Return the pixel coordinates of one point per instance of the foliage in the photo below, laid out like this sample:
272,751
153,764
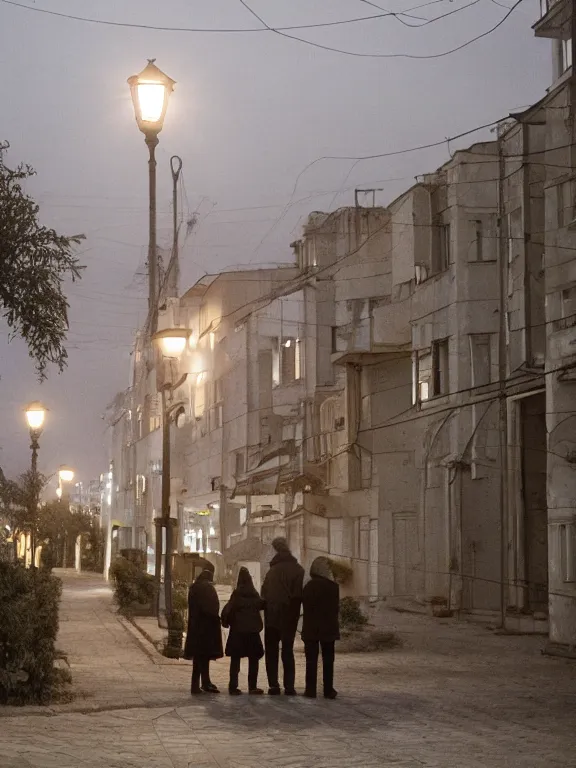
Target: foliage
368,641
94,547
132,587
341,571
58,528
29,601
34,262
351,615
19,503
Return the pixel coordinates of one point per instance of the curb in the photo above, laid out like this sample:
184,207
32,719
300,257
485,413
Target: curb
145,643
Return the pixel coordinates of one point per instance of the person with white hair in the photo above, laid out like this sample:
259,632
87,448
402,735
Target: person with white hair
282,593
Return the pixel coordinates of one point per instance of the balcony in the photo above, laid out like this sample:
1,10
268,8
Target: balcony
555,16
386,332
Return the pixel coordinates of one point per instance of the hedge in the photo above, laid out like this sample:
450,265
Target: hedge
29,604
134,590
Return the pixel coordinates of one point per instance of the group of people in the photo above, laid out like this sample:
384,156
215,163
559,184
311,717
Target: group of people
284,594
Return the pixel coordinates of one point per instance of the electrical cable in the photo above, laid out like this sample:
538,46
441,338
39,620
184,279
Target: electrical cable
221,30
382,55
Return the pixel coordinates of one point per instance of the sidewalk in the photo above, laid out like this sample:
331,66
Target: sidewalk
454,696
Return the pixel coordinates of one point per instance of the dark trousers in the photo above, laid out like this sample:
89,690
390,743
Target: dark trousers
273,638
253,665
200,672
312,652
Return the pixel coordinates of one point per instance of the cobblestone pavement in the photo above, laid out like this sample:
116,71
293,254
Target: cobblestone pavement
454,696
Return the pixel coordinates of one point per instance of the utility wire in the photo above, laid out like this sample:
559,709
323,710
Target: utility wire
219,30
282,33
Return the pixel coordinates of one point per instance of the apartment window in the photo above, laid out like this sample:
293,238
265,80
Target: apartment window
287,361
567,533
140,487
565,55
140,428
423,376
480,359
334,339
441,250
567,308
239,464
565,203
440,366
327,423
216,405
200,396
430,372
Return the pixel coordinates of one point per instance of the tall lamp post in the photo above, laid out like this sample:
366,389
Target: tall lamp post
65,476
150,91
35,416
172,343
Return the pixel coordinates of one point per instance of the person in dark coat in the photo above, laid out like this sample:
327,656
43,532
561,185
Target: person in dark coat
204,636
282,593
320,626
242,615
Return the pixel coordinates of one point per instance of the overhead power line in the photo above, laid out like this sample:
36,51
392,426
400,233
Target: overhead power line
218,30
283,31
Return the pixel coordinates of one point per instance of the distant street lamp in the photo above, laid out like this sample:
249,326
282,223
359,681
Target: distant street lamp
65,477
35,416
66,474
151,91
172,343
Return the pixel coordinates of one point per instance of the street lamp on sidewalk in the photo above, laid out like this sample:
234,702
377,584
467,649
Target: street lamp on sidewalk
172,343
151,91
35,416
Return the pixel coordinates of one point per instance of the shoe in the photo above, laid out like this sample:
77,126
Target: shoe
195,691
210,688
309,694
330,694
234,691
290,692
274,691
256,692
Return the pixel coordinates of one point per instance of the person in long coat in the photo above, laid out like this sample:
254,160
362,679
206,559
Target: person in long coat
320,626
242,615
282,593
204,636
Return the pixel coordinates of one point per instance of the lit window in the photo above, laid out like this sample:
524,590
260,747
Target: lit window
565,55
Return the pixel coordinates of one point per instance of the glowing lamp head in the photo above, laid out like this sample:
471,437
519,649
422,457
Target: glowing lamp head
66,474
35,415
172,342
150,91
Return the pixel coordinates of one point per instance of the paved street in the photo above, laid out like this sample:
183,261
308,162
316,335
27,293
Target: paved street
455,696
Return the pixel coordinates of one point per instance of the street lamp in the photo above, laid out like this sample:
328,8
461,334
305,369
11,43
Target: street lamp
66,474
172,343
150,91
35,416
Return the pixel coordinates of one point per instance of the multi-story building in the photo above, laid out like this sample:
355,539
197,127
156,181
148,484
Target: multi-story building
557,167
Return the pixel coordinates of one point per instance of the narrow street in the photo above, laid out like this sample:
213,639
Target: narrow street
453,695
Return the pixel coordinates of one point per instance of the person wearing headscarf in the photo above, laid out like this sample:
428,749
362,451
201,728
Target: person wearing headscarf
242,615
320,626
204,635
282,593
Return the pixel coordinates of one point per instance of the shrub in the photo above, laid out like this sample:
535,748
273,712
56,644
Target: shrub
29,602
133,588
351,615
366,641
341,571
